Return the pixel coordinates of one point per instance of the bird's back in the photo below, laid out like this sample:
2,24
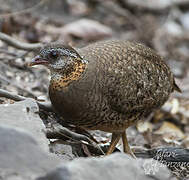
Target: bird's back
130,75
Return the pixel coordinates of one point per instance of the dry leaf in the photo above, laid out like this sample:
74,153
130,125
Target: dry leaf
144,126
175,106
170,131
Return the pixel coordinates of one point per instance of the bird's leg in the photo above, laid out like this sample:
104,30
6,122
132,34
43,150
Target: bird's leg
115,139
126,147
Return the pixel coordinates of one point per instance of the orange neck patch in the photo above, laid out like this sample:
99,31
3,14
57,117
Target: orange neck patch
61,80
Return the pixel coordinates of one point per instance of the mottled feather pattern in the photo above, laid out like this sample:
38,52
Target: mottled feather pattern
121,83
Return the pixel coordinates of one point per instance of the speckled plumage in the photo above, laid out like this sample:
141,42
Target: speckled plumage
108,85
122,82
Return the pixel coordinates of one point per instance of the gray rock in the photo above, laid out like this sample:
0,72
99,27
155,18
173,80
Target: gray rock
116,166
24,115
21,158
185,20
63,151
173,28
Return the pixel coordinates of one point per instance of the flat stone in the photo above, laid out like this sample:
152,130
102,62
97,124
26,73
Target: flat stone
24,115
63,151
116,166
21,157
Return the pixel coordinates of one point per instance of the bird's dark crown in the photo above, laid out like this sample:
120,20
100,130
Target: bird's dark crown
60,49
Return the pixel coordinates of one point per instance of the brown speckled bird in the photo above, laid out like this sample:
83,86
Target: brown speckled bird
108,85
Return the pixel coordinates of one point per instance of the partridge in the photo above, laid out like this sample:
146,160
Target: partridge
107,86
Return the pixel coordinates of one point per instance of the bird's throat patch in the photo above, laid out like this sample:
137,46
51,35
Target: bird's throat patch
61,80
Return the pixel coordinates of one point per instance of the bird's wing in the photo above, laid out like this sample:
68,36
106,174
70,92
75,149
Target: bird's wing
139,81
131,76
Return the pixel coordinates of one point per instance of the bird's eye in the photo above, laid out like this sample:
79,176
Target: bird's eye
53,54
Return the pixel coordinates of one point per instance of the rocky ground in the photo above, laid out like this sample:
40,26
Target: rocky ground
32,143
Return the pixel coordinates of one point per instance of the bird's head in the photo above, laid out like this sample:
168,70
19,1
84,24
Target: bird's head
57,57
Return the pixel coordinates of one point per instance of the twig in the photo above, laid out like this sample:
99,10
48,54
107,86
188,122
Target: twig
3,93
47,106
3,51
18,44
3,78
14,54
150,7
58,131
7,58
15,97
24,11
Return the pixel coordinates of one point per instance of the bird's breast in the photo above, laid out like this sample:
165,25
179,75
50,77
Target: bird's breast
71,100
64,102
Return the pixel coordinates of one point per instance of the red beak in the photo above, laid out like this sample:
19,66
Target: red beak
37,61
